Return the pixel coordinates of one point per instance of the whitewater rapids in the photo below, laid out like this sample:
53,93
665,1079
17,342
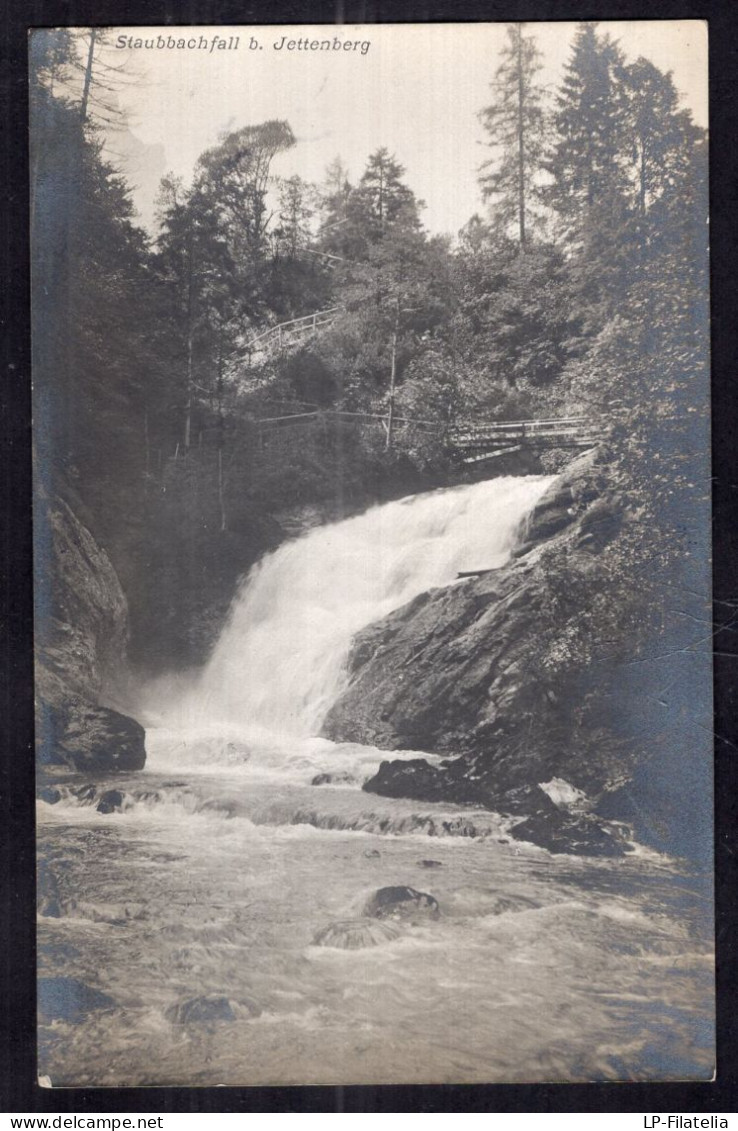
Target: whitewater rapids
222,863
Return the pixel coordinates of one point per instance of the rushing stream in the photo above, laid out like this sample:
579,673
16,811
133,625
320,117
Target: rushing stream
212,904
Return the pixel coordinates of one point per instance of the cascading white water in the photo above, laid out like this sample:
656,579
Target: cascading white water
280,661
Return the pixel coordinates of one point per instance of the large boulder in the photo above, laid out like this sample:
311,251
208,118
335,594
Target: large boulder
402,903
580,834
89,738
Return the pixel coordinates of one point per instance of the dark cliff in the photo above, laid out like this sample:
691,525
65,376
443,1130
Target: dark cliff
81,643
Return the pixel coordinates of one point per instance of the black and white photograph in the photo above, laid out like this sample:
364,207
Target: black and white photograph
372,554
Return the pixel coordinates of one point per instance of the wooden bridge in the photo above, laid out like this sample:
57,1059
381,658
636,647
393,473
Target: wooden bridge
467,442
480,441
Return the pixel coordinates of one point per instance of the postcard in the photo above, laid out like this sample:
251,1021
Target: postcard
372,554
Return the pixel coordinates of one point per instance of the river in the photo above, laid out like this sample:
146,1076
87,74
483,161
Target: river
215,904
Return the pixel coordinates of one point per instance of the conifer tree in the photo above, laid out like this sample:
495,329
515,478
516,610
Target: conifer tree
662,142
588,161
382,201
515,126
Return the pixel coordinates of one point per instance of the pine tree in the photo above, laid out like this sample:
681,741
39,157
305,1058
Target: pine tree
592,187
515,126
382,202
588,157
663,142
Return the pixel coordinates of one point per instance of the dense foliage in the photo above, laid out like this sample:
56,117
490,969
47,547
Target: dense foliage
582,289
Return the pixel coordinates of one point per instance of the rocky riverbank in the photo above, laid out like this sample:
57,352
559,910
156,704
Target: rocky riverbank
489,672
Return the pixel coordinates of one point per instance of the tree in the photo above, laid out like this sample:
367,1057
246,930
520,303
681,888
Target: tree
295,212
514,321
591,191
382,203
195,263
588,162
235,177
334,195
101,331
515,124
666,168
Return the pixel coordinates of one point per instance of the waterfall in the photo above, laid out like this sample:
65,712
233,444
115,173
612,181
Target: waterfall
281,659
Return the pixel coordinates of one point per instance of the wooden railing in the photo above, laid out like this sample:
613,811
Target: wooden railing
285,332
475,442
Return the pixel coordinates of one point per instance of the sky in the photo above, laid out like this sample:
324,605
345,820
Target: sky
417,90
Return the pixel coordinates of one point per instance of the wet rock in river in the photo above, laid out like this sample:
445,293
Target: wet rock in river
566,833
372,853
48,899
100,739
68,999
355,934
339,778
210,1007
401,902
85,793
110,802
513,903
430,863
48,794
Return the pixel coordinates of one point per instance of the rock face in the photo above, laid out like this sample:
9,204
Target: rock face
81,641
458,672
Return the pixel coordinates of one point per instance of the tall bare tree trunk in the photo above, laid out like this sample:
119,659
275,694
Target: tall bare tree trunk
221,437
521,140
88,75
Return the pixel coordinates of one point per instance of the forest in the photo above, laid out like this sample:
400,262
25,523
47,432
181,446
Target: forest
182,411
